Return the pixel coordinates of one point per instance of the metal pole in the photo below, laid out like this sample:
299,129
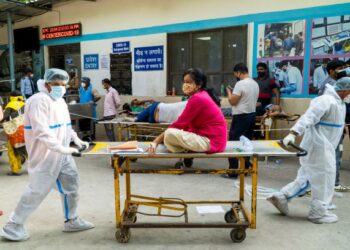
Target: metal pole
11,53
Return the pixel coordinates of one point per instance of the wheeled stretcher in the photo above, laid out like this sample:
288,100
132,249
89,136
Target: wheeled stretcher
238,218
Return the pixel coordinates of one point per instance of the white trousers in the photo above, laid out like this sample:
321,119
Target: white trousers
322,188
65,179
177,140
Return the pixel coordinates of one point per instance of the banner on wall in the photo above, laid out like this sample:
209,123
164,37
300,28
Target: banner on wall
281,39
91,62
120,47
281,46
149,58
331,35
330,40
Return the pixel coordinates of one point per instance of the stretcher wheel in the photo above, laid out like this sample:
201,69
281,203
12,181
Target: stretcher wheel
237,235
188,162
179,165
230,217
123,235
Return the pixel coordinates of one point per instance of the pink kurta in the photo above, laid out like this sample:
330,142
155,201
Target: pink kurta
203,117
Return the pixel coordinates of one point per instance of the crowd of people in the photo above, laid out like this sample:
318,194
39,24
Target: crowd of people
196,125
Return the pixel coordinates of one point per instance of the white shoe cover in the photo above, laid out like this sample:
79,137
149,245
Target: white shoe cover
332,206
327,218
77,224
14,232
279,200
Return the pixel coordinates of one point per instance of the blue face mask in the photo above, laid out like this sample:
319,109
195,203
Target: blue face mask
57,92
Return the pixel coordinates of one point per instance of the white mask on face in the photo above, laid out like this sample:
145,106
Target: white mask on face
83,84
57,92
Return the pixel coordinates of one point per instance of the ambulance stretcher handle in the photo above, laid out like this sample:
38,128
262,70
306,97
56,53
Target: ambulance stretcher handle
80,150
301,152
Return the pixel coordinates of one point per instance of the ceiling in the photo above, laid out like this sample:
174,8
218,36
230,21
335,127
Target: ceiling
21,11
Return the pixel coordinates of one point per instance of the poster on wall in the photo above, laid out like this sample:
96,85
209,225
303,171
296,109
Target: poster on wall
104,62
284,39
318,72
331,35
288,75
149,58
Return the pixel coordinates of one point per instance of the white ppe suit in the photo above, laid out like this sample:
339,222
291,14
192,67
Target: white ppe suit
48,129
322,126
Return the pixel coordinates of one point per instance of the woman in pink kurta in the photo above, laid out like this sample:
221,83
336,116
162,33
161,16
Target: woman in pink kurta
201,127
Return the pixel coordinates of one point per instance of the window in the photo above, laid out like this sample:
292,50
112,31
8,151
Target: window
214,51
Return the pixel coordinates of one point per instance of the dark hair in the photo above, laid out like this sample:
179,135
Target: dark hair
283,63
27,70
334,64
126,107
16,93
240,67
200,79
198,76
106,80
85,79
262,65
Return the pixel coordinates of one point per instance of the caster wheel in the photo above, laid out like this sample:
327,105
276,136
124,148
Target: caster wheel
230,217
188,162
237,235
179,165
123,235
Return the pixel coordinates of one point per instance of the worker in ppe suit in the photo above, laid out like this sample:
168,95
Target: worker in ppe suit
322,126
48,133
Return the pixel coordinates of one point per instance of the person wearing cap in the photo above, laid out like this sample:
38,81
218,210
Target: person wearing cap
333,67
27,85
88,94
48,133
322,126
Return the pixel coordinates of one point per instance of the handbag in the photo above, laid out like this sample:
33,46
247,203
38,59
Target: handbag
14,129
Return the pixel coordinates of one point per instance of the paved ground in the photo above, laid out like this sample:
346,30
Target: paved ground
97,205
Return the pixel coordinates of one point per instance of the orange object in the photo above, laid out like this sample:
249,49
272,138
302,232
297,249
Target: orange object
17,138
126,145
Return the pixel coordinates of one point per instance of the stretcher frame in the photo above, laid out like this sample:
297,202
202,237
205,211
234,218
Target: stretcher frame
281,117
238,218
